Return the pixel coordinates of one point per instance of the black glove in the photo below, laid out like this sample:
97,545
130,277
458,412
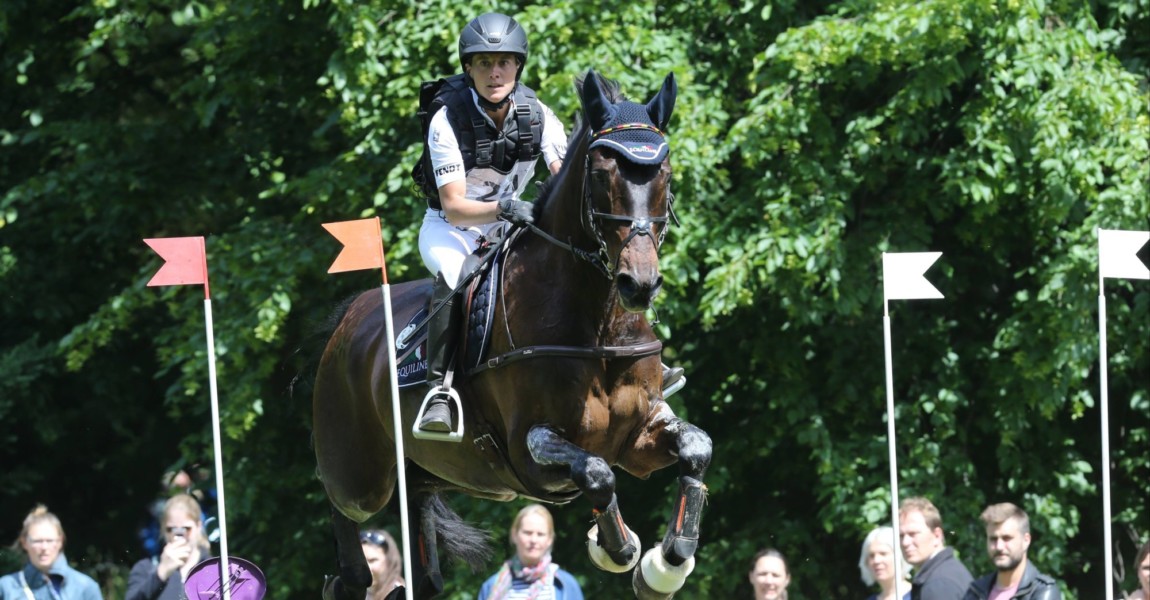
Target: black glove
517,212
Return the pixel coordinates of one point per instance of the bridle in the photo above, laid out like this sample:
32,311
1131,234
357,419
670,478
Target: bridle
592,220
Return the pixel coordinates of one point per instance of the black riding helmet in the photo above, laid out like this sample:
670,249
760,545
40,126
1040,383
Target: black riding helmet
493,32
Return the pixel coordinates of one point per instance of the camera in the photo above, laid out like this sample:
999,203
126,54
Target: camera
181,532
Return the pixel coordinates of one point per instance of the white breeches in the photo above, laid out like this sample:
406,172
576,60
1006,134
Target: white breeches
443,246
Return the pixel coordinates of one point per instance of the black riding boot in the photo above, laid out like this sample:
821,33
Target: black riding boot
441,337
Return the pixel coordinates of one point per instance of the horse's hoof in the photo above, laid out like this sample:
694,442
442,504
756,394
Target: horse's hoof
656,579
602,559
679,550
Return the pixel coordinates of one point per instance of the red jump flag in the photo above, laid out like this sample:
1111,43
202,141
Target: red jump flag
362,245
185,261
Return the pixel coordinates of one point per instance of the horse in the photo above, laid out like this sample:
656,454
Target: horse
573,388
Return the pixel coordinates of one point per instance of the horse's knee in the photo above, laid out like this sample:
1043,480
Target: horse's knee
695,450
597,481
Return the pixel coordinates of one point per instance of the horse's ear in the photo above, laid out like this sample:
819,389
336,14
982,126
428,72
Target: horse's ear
596,106
663,104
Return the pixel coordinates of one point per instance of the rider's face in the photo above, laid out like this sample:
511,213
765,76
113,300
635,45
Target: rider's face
494,74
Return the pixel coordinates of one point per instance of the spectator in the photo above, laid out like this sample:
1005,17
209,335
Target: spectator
163,577
769,575
1142,564
530,573
1007,542
939,575
876,564
384,561
46,575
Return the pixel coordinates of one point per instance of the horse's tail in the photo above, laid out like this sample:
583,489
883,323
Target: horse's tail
463,542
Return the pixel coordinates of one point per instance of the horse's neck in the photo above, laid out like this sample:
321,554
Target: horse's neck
570,302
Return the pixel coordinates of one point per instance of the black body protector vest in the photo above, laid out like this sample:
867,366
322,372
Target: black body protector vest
479,142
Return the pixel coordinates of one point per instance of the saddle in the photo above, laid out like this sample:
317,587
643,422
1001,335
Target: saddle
481,274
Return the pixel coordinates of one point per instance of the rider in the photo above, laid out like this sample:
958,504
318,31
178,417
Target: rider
480,171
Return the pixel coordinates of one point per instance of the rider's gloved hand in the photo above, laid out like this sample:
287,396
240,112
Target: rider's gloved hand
517,212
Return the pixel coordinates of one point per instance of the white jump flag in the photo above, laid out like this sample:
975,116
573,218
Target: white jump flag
902,276
1118,254
1117,258
902,279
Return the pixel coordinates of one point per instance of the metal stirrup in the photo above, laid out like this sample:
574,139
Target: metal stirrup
444,389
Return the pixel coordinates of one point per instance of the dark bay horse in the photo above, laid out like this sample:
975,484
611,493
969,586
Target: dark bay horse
578,386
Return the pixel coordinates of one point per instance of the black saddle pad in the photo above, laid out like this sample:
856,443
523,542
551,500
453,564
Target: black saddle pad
481,313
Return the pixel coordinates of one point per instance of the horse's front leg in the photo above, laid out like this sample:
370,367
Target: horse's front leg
665,438
593,476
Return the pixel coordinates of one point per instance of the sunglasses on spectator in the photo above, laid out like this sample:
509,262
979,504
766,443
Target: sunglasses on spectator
373,537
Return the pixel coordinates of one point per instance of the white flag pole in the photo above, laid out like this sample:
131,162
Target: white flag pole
397,426
1105,407
225,573
1117,257
397,421
902,279
891,445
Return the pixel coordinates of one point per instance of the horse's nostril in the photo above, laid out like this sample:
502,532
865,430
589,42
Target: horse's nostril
637,295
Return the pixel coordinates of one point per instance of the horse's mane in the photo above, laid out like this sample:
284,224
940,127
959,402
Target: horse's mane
579,134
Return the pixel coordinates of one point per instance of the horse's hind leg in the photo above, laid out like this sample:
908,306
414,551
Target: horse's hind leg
593,476
434,524
354,575
424,551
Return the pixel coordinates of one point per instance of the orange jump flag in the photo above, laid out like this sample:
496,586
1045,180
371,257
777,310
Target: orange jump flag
185,261
362,245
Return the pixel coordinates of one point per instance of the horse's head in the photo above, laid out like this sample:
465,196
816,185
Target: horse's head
627,186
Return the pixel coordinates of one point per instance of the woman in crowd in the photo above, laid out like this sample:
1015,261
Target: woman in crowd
530,573
163,578
1142,566
384,560
876,564
769,575
46,575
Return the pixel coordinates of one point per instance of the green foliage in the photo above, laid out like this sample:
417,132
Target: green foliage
808,138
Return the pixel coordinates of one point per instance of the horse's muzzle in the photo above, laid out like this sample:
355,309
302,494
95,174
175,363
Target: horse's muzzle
637,295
